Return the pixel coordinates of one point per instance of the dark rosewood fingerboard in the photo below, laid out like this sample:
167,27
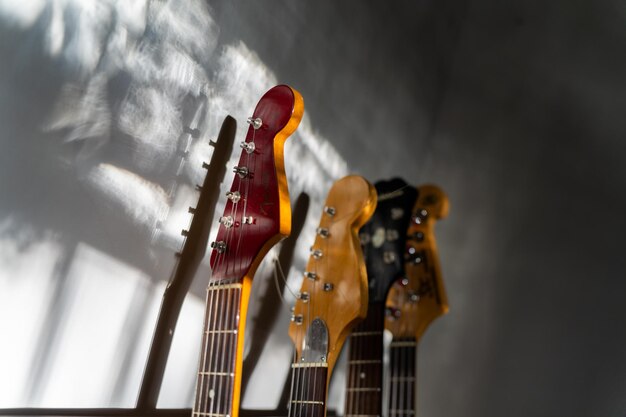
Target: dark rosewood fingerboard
308,390
216,371
365,367
402,377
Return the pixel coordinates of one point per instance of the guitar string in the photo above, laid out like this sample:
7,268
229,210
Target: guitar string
209,348
230,349
216,295
325,261
228,354
214,392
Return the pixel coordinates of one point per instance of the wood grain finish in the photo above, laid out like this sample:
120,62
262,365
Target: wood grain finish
337,294
414,301
259,219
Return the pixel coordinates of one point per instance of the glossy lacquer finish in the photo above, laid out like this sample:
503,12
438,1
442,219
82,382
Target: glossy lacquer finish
419,298
264,193
334,293
383,239
414,301
252,223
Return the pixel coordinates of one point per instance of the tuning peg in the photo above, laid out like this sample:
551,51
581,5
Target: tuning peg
198,187
389,257
296,318
397,213
328,286
241,171
219,246
192,210
392,235
316,253
304,296
227,221
421,215
184,232
233,196
248,146
310,275
212,143
205,165
256,123
330,211
323,232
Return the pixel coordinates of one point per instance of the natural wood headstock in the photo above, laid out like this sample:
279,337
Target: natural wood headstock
334,289
258,212
417,299
383,237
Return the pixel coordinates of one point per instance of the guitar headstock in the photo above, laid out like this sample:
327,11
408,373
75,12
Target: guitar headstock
333,296
383,237
418,298
258,212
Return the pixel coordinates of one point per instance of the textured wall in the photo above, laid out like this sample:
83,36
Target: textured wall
515,109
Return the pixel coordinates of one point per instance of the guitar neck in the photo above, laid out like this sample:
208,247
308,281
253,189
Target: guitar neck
365,366
219,373
308,389
401,398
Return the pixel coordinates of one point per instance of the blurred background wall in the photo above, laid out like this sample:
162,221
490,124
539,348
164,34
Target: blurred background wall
514,109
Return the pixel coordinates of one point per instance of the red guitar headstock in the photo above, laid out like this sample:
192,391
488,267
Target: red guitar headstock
258,212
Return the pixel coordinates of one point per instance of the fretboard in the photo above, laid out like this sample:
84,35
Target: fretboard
217,377
308,390
402,377
365,366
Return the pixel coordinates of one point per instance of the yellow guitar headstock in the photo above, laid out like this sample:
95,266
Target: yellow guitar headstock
417,299
334,295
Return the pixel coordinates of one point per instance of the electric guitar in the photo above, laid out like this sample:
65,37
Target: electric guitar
333,296
257,215
415,300
384,240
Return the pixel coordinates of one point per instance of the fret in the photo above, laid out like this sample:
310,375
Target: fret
216,373
307,402
220,331
199,413
403,344
310,365
217,287
362,334
361,415
363,389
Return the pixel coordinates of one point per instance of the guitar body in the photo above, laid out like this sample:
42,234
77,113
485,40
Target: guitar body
333,296
257,215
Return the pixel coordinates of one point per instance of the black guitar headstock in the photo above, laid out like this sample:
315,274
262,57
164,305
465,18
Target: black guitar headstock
383,238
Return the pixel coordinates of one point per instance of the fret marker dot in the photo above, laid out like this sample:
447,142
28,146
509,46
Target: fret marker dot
211,393
362,375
